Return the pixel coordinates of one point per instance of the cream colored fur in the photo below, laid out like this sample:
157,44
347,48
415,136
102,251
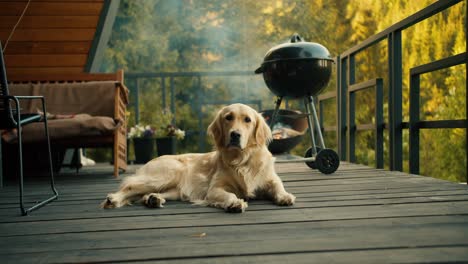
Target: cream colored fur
225,178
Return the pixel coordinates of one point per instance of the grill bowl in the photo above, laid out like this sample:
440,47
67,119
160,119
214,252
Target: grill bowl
297,77
292,118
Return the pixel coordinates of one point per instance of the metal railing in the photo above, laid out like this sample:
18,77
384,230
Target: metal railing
377,126
201,100
347,86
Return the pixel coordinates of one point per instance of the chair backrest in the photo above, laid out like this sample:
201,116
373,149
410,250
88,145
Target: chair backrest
5,109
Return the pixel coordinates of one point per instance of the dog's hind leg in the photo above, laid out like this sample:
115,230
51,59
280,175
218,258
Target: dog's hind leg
157,200
157,176
129,192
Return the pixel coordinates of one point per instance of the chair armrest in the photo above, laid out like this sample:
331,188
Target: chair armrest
11,98
29,96
16,99
21,96
7,97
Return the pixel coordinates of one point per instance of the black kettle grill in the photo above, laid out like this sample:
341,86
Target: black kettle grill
300,69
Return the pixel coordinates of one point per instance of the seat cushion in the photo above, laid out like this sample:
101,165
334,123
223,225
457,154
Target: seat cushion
81,125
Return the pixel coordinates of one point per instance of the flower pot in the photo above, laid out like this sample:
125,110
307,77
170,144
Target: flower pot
144,149
166,146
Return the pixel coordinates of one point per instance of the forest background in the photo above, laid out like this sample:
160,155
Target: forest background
234,35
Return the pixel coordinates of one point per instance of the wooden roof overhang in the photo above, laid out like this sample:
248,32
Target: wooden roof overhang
55,36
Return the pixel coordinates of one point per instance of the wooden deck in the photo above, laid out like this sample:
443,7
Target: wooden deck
358,214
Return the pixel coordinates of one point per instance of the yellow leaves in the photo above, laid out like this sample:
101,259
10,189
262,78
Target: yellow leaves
279,4
210,18
269,27
432,106
273,7
267,10
211,57
458,133
272,11
278,8
460,44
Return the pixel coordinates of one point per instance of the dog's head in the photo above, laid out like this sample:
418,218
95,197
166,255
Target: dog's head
239,126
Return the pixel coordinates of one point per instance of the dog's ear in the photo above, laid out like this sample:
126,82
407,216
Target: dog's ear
263,134
215,130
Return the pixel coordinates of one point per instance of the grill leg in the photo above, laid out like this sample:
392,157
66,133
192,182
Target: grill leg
275,113
311,127
317,123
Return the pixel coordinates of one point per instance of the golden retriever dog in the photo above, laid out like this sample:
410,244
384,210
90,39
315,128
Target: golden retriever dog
240,168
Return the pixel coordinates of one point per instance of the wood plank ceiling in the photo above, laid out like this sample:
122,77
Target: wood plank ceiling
54,36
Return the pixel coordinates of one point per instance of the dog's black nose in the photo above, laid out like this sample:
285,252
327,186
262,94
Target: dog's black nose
235,136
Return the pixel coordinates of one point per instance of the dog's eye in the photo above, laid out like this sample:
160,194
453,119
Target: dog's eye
247,120
229,117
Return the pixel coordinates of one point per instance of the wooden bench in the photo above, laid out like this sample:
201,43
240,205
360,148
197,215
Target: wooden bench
117,139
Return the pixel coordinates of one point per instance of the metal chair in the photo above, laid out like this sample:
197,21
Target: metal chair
11,118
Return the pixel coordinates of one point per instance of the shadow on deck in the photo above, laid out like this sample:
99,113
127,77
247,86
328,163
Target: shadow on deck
358,214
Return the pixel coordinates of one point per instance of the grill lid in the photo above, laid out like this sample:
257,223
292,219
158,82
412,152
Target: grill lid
297,48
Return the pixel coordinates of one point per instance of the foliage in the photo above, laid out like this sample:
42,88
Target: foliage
211,35
160,126
443,92
163,124
140,131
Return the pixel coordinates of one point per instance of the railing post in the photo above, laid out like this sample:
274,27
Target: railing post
1,165
201,129
351,128
351,155
137,101
379,121
466,91
172,88
341,106
395,100
163,92
413,124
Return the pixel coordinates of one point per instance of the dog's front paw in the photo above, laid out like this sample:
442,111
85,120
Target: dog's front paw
154,200
236,207
109,202
285,199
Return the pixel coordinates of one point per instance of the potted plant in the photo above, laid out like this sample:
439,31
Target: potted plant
160,131
166,133
143,142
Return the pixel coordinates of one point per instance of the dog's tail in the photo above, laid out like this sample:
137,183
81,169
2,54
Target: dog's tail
149,183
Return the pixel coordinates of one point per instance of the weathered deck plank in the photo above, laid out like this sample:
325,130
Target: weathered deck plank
358,214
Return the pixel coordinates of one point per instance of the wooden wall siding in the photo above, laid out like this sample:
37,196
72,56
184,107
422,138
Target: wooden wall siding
42,22
76,34
54,36
48,47
13,8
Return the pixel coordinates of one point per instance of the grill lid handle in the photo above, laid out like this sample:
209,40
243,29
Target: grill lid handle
259,70
296,38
